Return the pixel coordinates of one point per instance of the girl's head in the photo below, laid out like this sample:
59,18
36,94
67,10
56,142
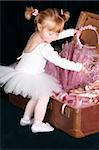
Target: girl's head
51,20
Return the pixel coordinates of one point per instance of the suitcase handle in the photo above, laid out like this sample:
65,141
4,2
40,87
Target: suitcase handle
65,110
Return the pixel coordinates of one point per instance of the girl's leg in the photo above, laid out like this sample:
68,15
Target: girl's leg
40,108
28,113
39,114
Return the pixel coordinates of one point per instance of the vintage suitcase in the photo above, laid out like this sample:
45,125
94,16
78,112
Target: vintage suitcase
77,123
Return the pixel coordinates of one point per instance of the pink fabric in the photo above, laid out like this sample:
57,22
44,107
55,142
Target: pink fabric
85,56
76,101
67,52
72,79
53,70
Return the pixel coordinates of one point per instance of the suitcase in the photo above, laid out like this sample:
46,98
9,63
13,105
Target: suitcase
77,123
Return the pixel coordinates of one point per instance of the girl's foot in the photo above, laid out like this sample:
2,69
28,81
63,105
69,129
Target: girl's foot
24,122
41,127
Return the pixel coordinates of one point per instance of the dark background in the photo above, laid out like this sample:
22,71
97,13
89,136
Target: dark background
15,31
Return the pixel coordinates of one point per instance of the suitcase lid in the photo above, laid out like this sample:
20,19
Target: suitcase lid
89,36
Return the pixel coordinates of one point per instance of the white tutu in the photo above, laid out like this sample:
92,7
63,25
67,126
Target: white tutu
27,85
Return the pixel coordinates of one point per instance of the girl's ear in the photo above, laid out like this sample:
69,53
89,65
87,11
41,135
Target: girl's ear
39,27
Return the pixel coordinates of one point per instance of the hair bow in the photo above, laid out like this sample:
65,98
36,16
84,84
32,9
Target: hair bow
35,12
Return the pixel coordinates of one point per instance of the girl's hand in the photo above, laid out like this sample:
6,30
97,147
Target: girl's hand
84,70
75,31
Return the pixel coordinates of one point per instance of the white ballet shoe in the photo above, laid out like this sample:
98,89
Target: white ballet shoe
41,127
24,122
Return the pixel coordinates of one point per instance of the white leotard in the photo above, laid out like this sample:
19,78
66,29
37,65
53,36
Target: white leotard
34,62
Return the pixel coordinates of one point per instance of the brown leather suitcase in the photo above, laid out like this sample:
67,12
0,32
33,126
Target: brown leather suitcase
77,123
18,100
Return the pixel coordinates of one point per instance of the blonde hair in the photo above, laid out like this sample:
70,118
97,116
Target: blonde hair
50,18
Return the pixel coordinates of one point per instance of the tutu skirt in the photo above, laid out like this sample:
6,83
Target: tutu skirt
26,84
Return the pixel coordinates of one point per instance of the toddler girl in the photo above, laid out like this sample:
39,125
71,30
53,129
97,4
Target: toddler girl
28,77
